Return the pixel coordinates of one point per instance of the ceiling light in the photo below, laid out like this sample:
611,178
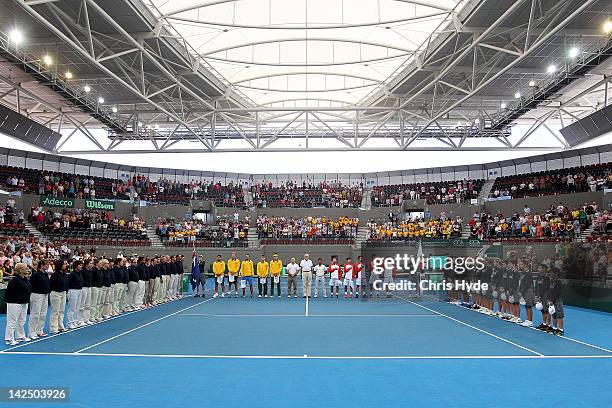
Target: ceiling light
87,88
477,121
139,124
100,99
517,95
607,27
573,52
47,60
532,83
551,69
68,75
503,106
156,126
16,36
114,109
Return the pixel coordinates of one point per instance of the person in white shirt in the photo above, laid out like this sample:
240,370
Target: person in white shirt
306,267
320,271
292,271
334,274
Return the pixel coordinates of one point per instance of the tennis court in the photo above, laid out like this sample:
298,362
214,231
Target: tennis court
269,352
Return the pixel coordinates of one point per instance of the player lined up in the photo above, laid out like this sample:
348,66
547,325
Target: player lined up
350,276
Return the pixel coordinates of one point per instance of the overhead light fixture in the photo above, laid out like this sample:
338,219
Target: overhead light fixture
100,99
156,126
68,75
517,95
16,36
532,83
477,121
47,60
573,52
139,124
503,106
114,109
87,88
551,69
607,27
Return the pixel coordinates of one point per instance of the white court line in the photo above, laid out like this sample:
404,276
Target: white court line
143,325
302,357
473,327
52,336
307,297
572,339
577,341
310,315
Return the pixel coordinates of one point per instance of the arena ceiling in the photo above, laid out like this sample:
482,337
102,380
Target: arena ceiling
134,76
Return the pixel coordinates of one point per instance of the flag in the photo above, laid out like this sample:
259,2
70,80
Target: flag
419,256
195,270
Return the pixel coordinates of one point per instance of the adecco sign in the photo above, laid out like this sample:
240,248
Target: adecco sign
56,202
100,205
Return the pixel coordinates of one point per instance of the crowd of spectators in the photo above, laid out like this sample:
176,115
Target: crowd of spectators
173,192
562,181
225,233
414,229
307,195
557,223
59,184
307,229
89,227
165,191
602,227
446,192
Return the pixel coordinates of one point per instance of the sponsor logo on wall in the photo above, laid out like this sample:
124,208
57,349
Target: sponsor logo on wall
57,202
100,205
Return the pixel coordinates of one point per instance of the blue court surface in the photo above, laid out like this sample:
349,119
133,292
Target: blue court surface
274,352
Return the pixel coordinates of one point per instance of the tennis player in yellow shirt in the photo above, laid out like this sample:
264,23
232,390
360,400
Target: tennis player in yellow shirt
263,269
233,268
246,272
219,271
276,266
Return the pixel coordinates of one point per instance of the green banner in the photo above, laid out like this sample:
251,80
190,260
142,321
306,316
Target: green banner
57,202
100,205
452,243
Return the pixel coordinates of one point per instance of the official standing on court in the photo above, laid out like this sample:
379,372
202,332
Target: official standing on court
292,270
84,307
39,300
96,293
132,286
75,290
306,267
59,286
17,296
